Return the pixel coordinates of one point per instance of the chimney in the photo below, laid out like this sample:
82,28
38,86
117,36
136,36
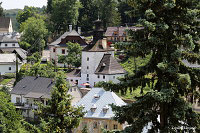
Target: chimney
70,28
79,30
104,43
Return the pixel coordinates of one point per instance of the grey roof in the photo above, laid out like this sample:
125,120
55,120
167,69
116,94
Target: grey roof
33,87
74,73
4,38
22,53
11,49
97,47
4,22
105,99
59,39
120,30
188,64
109,65
7,58
72,33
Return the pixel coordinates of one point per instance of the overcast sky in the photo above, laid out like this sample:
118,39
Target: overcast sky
12,4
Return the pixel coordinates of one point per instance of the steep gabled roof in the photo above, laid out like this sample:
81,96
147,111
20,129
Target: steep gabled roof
22,53
73,33
97,47
59,39
33,85
4,22
109,65
4,38
104,99
7,58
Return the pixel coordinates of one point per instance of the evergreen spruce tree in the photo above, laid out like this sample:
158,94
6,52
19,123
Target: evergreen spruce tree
59,115
170,35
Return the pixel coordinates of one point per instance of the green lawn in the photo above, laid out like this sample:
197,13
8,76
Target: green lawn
5,81
129,66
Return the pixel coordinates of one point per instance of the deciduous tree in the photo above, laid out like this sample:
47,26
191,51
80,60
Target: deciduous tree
34,32
73,57
62,13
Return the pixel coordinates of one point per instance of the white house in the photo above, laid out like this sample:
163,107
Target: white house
32,89
99,113
6,42
5,25
59,47
8,63
98,62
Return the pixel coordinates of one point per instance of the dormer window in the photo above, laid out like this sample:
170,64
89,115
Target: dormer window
96,96
103,64
105,109
115,32
93,108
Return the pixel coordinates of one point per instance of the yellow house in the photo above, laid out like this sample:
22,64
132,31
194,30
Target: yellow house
99,113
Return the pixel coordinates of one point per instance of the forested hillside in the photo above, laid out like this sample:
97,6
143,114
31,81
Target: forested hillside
12,13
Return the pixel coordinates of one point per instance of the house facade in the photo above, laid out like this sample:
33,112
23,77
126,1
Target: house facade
119,34
59,46
96,104
8,63
31,89
5,25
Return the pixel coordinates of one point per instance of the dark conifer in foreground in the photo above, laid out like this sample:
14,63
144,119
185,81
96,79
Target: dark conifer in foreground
170,35
59,115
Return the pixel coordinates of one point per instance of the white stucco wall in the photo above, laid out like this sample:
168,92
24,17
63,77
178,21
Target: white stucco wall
9,45
58,51
14,96
93,79
76,95
4,68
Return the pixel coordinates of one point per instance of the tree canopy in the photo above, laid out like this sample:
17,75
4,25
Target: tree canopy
73,57
34,33
10,119
59,115
24,14
62,13
170,35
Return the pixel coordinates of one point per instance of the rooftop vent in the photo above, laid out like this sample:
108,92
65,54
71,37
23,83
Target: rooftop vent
105,109
93,108
96,96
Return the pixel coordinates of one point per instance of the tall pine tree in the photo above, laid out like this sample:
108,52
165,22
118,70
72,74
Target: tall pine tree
170,35
59,115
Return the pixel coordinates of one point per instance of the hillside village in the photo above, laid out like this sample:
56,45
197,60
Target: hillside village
136,76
